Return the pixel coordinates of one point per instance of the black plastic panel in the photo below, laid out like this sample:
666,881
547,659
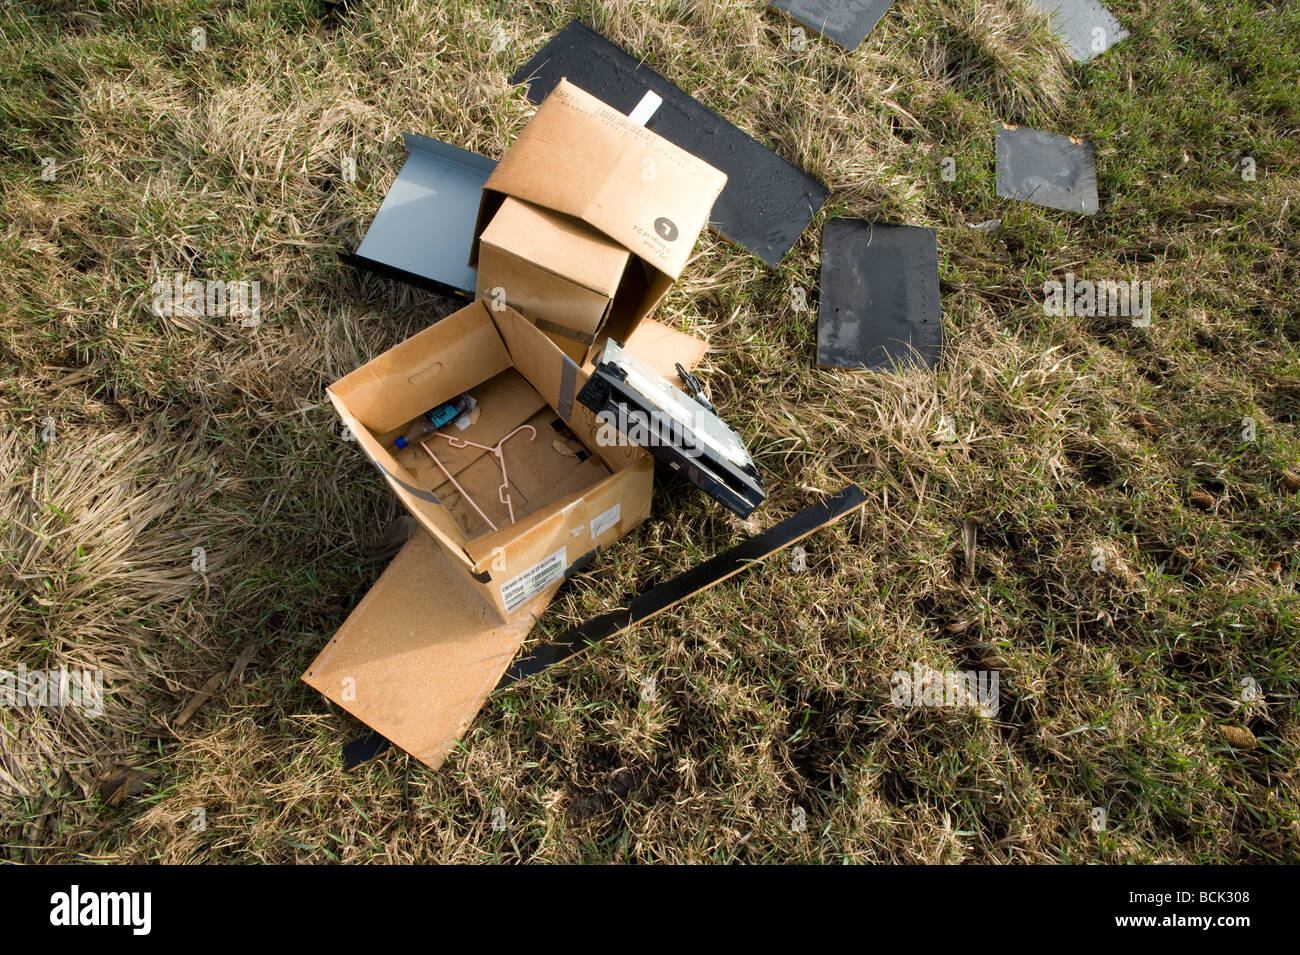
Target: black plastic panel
1046,169
879,304
847,22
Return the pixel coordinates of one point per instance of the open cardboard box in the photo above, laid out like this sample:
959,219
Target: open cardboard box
594,217
569,495
588,219
419,654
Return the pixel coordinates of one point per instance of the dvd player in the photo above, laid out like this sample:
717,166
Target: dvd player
680,430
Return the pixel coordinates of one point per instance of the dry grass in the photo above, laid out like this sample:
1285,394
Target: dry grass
1075,437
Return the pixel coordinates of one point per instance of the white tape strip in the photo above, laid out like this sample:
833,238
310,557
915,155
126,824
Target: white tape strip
646,108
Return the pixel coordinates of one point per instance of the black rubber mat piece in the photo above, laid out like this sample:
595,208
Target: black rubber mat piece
847,22
637,609
423,231
879,306
1046,169
767,202
364,748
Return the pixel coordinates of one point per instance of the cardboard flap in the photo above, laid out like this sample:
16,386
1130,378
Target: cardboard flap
435,365
555,377
653,342
419,655
662,348
585,159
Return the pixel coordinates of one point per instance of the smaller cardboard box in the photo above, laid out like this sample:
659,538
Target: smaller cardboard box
555,269
567,494
582,163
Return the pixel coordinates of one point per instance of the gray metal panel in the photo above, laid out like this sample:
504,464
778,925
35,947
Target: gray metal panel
1046,169
847,22
1086,27
425,226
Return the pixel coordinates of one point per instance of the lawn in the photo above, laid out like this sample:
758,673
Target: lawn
1105,515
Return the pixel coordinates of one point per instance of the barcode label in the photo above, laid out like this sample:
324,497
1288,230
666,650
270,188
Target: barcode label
605,521
520,589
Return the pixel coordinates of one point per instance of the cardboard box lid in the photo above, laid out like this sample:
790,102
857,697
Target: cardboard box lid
585,159
559,244
419,655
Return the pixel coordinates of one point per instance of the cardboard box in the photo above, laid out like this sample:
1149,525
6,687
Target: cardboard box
570,496
520,379
418,656
556,270
586,164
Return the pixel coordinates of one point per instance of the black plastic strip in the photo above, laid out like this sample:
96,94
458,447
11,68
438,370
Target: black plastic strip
568,384
713,571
